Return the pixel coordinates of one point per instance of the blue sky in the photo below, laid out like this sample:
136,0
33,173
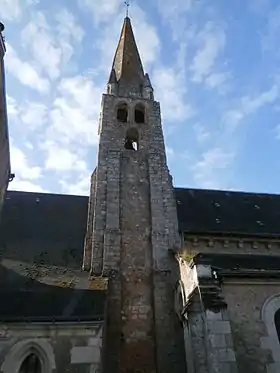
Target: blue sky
214,66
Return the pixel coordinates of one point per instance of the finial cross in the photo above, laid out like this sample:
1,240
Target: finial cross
127,4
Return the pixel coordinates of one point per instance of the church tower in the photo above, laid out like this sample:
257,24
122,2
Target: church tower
132,223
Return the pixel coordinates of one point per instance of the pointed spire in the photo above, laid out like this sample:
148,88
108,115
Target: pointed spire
127,62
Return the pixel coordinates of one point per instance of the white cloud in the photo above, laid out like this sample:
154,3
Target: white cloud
12,107
12,10
52,47
249,105
36,35
208,171
253,104
212,41
231,119
174,13
217,80
171,94
102,11
201,134
68,27
25,72
34,114
80,187
75,112
63,159
21,166
26,186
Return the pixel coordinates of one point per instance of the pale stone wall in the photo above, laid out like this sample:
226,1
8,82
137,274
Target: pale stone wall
256,351
61,348
208,334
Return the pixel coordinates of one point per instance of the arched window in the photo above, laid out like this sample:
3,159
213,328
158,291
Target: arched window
277,323
139,114
270,316
31,364
122,113
132,139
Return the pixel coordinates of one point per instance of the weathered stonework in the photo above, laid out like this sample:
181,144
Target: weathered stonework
203,312
132,225
193,244
4,137
254,335
73,348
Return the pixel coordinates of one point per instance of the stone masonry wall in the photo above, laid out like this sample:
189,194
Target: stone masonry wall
4,138
89,231
134,228
245,299
165,237
192,245
138,345
62,348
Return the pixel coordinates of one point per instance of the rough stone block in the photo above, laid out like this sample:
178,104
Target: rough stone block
213,316
219,327
97,342
226,355
85,355
218,340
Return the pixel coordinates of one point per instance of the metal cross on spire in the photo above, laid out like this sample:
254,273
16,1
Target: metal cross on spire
127,4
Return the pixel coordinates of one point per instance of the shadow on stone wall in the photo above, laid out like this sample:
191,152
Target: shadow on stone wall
24,298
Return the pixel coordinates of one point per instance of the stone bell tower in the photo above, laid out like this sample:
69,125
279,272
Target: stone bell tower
132,223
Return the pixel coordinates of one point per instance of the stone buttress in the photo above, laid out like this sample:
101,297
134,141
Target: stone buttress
132,223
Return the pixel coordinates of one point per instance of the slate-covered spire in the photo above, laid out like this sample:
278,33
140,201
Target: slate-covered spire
127,63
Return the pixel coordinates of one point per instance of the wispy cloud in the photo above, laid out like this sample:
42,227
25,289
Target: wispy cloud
23,167
101,11
25,72
209,169
58,61
171,93
12,10
34,114
211,42
75,112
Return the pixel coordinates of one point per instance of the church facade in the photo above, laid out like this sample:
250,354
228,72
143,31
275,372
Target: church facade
141,276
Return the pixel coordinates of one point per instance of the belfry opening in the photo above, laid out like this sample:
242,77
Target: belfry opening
132,139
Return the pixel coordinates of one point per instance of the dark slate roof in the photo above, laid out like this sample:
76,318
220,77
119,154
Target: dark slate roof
226,212
44,228
50,228
41,247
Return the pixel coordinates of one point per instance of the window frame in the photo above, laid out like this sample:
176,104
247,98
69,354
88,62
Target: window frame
271,340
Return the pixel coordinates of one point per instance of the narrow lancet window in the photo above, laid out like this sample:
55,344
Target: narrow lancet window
139,114
277,323
31,364
132,139
122,113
